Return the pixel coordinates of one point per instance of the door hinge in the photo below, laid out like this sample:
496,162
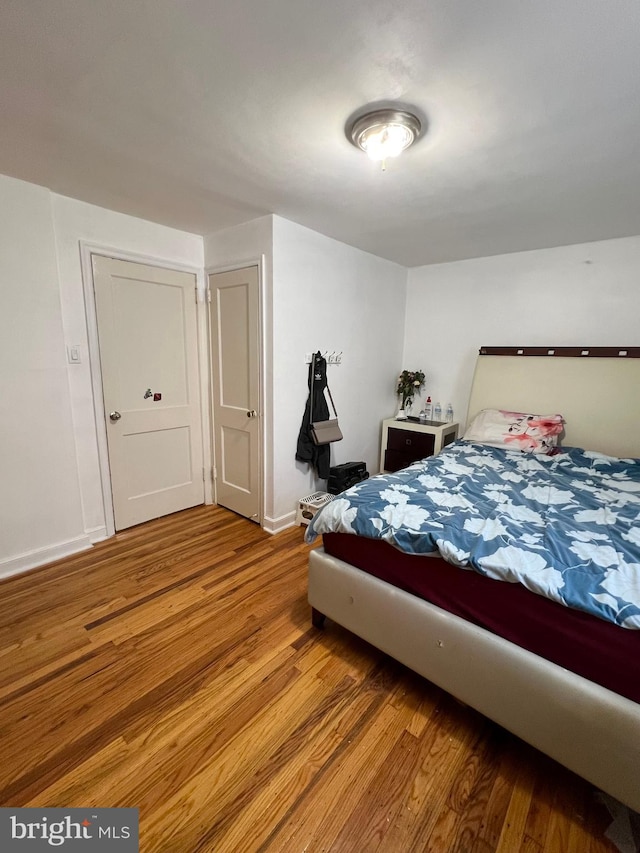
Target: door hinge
214,472
208,294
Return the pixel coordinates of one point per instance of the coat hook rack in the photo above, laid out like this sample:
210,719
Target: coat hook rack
332,357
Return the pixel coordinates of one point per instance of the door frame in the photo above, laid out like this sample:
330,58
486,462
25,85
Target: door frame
87,249
258,262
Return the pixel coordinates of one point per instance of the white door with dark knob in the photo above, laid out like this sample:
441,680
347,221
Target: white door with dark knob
235,369
149,362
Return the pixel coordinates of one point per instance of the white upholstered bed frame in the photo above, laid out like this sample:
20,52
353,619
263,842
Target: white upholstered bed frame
587,728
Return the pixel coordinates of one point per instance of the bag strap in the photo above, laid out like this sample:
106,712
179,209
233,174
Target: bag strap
335,411
313,379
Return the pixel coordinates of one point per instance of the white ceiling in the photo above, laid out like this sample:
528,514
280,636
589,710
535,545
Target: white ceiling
202,114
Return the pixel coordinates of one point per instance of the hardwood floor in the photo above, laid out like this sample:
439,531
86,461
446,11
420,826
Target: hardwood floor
174,668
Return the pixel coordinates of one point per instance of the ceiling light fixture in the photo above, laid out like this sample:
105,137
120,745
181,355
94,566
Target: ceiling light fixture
384,133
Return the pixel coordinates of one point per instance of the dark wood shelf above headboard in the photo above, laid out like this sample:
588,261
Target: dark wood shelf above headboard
565,352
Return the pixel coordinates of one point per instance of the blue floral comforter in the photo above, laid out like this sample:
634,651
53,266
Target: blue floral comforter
565,526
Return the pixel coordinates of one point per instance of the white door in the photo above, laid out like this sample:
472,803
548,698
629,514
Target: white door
235,370
149,358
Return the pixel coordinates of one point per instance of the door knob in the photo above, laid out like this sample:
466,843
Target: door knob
115,416
252,414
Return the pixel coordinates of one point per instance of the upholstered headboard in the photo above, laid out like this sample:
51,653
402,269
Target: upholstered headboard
596,389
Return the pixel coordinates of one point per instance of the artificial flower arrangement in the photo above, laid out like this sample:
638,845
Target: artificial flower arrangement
409,383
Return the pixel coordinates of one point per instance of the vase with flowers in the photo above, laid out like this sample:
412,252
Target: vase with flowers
409,383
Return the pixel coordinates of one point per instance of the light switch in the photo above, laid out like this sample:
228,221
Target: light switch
73,354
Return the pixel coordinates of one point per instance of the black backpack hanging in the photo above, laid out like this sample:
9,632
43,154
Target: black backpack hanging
327,431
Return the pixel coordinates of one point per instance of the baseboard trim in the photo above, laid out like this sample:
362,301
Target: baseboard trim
277,525
97,534
40,556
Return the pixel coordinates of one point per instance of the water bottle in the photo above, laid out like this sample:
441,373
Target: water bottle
428,410
437,413
449,416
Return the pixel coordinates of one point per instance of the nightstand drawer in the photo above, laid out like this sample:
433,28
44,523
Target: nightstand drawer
394,460
414,444
404,442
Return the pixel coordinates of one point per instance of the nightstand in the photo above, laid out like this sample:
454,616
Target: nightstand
404,442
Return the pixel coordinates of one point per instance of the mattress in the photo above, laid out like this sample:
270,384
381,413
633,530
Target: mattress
597,650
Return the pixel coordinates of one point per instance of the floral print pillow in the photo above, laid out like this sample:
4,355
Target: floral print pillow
515,430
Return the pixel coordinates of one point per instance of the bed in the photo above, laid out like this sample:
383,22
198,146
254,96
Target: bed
571,685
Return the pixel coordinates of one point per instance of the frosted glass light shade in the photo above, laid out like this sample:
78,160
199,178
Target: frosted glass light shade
385,133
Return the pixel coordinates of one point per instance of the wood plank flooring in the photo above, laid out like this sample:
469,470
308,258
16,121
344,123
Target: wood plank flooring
174,668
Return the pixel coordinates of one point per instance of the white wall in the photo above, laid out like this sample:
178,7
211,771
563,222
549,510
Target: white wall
331,297
76,221
582,295
40,515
